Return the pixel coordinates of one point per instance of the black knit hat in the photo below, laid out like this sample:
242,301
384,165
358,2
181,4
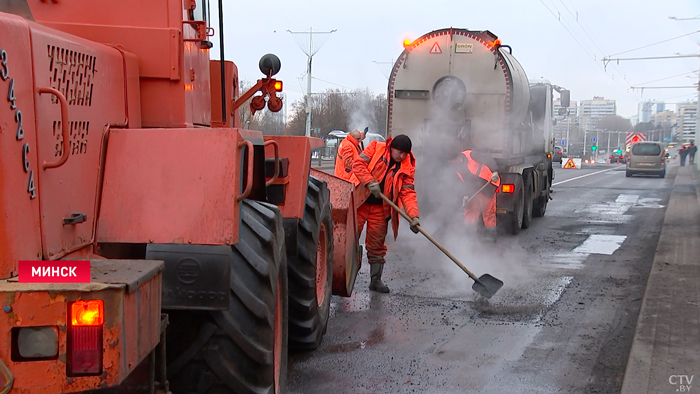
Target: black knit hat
402,143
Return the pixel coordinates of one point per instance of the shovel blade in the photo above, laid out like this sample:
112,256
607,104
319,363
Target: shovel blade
487,285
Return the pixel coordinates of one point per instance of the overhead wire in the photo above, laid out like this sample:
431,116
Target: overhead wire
663,79
656,43
592,40
584,48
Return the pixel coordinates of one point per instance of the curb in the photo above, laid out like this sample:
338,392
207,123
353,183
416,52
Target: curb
665,351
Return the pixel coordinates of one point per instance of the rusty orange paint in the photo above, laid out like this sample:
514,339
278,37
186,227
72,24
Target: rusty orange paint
20,236
346,251
298,151
166,61
125,320
159,188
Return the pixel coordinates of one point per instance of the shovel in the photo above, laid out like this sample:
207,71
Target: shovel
486,285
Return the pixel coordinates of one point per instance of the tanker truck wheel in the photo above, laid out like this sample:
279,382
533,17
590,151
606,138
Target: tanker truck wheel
527,200
311,270
512,222
541,202
242,349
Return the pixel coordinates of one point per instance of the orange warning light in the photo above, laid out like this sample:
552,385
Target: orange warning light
278,86
87,313
635,139
406,42
497,42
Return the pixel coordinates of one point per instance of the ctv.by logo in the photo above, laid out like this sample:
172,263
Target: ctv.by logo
682,382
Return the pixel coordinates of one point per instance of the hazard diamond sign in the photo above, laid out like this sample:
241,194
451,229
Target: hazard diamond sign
569,164
436,49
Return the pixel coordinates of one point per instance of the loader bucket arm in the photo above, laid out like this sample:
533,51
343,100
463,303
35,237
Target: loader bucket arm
347,254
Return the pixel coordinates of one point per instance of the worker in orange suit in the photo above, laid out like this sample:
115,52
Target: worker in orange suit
348,150
386,168
475,171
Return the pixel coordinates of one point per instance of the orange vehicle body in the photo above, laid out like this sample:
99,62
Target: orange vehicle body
118,133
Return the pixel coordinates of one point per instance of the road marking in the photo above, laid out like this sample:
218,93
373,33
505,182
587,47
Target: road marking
582,176
600,244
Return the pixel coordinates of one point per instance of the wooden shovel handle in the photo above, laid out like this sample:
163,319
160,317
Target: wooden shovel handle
431,239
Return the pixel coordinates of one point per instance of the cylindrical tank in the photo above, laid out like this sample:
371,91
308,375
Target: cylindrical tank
459,88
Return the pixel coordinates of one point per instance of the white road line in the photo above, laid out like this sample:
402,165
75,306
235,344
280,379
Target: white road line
582,176
600,244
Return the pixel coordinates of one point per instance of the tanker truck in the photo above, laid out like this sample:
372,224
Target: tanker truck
455,89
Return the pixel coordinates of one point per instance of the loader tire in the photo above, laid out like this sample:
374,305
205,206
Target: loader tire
242,349
528,200
311,270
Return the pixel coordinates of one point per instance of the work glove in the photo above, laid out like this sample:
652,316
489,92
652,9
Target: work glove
375,189
415,222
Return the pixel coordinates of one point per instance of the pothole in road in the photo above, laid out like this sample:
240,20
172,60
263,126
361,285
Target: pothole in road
526,303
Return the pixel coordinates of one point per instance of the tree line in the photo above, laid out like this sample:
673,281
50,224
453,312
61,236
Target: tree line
332,109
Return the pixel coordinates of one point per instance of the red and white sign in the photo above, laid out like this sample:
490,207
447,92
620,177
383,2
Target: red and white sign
634,138
436,49
63,271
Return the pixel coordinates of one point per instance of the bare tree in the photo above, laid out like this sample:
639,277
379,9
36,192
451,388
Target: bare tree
614,123
336,109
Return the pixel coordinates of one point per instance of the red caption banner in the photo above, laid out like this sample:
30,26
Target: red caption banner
63,271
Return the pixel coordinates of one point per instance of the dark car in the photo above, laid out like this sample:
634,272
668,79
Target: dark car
618,156
557,155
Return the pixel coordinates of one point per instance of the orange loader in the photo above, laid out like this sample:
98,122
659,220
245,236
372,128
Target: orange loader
212,248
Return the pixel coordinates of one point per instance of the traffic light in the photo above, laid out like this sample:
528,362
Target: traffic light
594,148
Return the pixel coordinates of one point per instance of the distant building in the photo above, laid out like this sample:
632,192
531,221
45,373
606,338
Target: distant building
663,120
686,116
591,111
647,109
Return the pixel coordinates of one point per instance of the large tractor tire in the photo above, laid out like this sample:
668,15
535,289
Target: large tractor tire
242,349
528,199
311,270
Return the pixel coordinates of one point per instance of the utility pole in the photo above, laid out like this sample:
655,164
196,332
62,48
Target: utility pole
568,121
310,52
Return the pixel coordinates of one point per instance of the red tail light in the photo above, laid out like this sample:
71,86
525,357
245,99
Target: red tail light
507,188
85,338
559,153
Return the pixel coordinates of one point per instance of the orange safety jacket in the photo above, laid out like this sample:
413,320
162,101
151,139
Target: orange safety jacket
478,169
348,150
372,165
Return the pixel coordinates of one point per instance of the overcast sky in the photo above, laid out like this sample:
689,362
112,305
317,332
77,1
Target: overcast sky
561,40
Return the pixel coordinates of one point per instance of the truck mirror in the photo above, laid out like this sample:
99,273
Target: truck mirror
565,98
563,111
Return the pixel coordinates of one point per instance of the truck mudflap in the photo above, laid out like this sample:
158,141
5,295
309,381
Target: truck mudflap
347,252
49,345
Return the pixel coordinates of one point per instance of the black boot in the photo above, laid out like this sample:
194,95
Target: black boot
376,284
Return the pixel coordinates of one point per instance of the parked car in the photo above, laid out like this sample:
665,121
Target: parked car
647,158
557,155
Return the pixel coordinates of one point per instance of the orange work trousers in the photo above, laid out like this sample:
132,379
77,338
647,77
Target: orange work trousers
484,205
377,227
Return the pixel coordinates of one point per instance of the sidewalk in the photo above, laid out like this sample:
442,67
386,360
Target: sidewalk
665,354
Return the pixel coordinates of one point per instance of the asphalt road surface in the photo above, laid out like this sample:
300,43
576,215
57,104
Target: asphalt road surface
563,322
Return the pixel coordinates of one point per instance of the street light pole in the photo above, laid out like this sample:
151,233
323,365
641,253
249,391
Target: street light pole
568,120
